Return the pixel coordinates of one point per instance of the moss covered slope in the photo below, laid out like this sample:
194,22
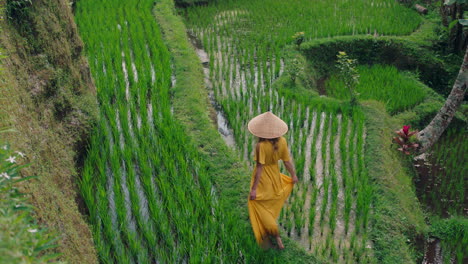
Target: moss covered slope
48,98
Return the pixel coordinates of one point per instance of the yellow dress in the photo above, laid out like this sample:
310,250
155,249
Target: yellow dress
272,190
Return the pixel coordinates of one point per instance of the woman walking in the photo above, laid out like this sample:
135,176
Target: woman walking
269,188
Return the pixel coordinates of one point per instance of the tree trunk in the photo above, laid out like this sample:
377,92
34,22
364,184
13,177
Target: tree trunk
430,134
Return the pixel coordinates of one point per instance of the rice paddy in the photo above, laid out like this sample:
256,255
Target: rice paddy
328,212
443,183
149,196
399,91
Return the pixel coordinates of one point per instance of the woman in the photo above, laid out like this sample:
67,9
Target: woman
269,188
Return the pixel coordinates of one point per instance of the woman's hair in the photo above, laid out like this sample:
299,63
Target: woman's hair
273,141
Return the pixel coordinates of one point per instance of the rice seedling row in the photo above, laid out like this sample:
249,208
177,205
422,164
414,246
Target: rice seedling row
398,90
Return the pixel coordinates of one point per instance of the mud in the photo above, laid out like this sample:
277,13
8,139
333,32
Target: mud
221,121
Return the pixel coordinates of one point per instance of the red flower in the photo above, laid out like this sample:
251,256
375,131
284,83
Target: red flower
406,129
404,140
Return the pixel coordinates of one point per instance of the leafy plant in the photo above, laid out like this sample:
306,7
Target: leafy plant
22,240
17,10
349,74
404,140
295,68
298,38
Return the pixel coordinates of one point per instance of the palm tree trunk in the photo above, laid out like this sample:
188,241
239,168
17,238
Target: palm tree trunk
430,134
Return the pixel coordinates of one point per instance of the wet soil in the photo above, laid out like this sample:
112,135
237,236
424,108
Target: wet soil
429,181
433,252
216,112
431,177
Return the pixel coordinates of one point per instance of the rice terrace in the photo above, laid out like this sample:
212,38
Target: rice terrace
125,130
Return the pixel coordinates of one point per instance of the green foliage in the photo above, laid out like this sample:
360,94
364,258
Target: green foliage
184,3
22,239
463,22
453,233
298,38
442,185
451,2
17,10
285,18
349,75
398,91
295,67
397,220
398,52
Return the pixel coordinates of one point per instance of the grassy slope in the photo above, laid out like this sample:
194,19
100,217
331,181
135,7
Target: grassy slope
48,95
397,220
192,108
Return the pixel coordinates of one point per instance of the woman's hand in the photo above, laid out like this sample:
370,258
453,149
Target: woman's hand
294,178
253,194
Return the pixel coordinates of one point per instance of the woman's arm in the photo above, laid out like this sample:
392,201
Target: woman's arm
290,168
258,173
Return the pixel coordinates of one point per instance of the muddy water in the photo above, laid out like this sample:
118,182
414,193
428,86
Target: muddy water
433,252
432,176
221,121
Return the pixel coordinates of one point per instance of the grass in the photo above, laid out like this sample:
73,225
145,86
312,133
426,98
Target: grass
397,218
361,17
442,187
23,239
399,91
43,71
453,233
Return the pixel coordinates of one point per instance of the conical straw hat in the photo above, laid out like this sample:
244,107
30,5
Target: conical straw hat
267,125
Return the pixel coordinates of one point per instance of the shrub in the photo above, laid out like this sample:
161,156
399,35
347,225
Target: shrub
348,74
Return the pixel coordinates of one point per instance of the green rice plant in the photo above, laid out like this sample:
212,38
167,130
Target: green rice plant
312,211
398,90
442,184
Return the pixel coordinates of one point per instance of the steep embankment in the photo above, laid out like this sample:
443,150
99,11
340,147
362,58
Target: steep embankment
47,97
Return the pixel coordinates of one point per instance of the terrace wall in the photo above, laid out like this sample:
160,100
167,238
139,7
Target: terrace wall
48,98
